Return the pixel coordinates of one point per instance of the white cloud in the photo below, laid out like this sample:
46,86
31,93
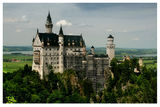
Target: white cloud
18,30
84,25
64,23
109,30
70,34
136,39
124,30
22,19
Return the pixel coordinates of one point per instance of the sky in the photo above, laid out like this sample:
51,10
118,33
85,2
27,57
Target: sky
133,25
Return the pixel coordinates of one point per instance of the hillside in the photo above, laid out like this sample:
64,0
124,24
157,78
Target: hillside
98,50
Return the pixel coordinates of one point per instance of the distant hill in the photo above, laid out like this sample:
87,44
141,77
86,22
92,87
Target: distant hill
17,48
126,51
98,50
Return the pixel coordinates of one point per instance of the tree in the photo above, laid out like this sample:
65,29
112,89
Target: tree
35,98
55,97
11,99
87,88
52,81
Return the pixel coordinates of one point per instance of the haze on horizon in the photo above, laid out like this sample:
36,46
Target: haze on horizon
133,25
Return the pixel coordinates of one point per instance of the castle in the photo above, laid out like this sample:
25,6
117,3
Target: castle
62,52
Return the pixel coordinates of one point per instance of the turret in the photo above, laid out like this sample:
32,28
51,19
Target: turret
110,48
92,50
140,62
49,24
61,50
35,37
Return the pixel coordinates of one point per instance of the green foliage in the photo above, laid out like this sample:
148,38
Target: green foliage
125,86
10,99
109,97
55,97
75,98
35,98
27,87
87,88
129,87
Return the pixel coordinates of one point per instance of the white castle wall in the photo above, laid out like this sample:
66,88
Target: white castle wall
110,50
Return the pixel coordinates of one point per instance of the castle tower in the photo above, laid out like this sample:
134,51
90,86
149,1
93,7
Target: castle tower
140,62
61,50
92,50
49,24
110,49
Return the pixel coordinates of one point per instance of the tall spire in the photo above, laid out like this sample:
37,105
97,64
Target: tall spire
49,24
37,31
49,18
61,31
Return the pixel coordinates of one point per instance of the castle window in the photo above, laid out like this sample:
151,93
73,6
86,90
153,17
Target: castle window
46,49
36,57
50,49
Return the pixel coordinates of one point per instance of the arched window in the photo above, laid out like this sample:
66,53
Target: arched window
36,55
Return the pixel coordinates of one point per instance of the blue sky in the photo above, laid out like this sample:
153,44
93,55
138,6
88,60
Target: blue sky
133,25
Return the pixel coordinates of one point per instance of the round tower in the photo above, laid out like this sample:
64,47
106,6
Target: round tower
61,50
92,50
110,49
49,24
140,62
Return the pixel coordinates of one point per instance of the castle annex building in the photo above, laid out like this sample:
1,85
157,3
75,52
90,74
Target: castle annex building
61,52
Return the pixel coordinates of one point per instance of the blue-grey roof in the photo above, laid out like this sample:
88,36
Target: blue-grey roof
52,38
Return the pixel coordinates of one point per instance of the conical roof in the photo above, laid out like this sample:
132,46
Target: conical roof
110,36
61,31
49,18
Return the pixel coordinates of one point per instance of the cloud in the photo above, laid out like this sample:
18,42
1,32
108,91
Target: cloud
22,19
64,23
124,30
136,39
95,6
70,34
85,25
18,30
109,30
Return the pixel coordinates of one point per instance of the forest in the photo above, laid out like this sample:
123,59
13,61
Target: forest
123,86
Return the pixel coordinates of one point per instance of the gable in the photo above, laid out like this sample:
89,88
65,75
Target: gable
37,41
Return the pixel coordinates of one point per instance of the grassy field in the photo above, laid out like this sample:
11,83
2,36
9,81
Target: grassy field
17,56
13,66
10,66
150,63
